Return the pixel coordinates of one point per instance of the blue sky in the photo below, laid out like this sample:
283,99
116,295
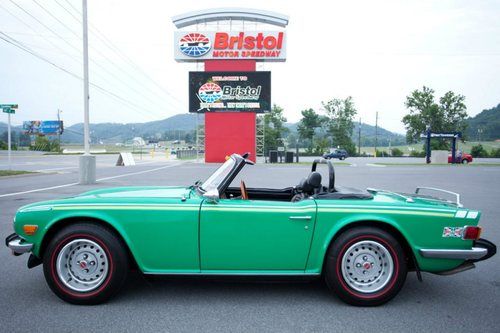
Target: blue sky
375,51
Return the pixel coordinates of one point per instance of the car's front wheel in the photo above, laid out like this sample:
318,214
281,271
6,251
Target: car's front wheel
85,263
365,266
465,161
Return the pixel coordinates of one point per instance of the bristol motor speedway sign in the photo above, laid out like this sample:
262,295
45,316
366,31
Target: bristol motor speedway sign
229,92
209,45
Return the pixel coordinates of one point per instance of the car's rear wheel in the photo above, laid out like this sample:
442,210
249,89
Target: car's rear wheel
365,266
85,263
465,161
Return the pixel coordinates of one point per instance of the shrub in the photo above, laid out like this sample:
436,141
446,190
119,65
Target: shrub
495,153
479,151
416,153
396,152
382,153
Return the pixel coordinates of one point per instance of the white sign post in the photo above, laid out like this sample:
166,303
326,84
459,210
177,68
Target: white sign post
9,141
9,109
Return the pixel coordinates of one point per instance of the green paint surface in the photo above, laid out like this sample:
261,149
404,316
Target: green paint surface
172,230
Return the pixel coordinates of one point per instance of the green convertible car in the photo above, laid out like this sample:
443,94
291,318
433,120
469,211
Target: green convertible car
362,243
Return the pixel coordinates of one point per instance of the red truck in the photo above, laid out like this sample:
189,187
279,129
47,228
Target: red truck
460,157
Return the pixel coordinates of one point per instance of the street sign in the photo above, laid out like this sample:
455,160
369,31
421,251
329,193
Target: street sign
8,110
9,106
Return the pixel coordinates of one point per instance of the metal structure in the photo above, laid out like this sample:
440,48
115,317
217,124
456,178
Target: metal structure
221,14
208,37
260,135
200,136
86,162
453,136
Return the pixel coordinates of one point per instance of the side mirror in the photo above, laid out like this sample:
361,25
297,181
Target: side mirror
212,196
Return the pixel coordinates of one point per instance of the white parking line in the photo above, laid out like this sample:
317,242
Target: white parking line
375,165
55,169
98,180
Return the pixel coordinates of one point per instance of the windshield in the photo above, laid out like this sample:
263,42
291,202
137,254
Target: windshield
218,176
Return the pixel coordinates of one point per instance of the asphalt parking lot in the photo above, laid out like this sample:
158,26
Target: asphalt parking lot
466,302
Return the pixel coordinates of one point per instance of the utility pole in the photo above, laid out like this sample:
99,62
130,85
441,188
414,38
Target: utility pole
376,132
359,137
87,161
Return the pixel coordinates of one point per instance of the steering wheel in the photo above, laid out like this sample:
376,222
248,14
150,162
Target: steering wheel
243,189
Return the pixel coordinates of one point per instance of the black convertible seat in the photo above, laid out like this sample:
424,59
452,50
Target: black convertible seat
344,193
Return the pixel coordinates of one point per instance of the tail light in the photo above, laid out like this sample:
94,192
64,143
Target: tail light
471,233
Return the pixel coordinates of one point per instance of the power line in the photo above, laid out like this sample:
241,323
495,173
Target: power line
21,46
119,52
107,42
78,50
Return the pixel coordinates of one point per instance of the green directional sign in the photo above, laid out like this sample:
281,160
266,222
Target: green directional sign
8,108
11,106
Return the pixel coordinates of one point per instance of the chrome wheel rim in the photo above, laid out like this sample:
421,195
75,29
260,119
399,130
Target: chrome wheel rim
367,266
82,265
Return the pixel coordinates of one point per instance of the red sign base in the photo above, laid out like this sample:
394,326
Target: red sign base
229,132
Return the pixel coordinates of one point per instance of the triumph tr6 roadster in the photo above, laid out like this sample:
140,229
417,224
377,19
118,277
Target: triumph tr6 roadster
361,242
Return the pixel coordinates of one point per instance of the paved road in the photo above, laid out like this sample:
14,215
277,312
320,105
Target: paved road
466,302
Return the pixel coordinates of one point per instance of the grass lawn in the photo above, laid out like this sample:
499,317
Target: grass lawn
306,163
439,164
13,172
466,147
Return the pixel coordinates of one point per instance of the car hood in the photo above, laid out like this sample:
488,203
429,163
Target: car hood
117,194
138,192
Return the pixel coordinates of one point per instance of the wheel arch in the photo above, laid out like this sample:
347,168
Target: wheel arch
385,225
63,222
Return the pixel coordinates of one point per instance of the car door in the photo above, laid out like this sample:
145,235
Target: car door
251,235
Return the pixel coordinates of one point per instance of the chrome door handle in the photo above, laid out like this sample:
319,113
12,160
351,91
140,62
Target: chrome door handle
300,218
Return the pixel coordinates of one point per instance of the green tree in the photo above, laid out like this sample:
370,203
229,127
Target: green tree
448,115
321,146
274,127
478,151
42,143
339,122
396,152
307,125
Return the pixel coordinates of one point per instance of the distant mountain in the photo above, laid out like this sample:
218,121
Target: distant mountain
485,126
114,132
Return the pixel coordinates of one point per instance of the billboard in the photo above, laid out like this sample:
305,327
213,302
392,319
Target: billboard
43,127
229,92
209,45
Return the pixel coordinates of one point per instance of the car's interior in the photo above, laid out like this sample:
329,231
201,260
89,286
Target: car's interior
308,187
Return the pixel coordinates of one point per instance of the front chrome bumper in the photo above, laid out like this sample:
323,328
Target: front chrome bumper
482,249
17,244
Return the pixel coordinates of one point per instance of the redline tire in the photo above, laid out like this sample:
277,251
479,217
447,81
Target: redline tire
110,252
392,265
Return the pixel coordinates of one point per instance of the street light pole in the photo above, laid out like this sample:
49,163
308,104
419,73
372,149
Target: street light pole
87,161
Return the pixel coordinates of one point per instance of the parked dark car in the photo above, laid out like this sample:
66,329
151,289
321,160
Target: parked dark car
341,154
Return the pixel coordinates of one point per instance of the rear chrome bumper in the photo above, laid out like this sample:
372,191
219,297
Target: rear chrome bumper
482,249
17,244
